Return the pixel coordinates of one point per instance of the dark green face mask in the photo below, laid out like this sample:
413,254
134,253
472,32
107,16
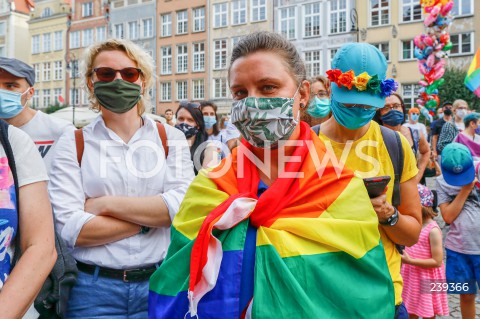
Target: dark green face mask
118,96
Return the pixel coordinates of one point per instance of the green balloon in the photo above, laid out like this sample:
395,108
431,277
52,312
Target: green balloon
431,104
432,87
447,46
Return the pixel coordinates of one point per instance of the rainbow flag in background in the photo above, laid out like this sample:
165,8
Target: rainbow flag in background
315,253
472,80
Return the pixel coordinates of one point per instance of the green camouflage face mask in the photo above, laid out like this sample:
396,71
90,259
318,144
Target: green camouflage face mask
118,96
261,120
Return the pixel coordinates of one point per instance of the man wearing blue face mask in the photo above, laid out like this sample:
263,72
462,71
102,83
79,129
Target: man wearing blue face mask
16,89
359,89
413,116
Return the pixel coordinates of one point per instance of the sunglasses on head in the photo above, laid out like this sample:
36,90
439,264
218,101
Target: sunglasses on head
106,74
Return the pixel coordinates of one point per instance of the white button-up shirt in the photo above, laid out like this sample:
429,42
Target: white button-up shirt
111,167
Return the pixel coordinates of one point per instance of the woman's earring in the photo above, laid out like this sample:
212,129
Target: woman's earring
302,106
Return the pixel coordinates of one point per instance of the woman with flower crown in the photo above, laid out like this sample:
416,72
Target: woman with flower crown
359,89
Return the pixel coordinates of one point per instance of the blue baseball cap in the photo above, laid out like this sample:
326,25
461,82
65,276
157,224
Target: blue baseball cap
457,165
19,69
359,57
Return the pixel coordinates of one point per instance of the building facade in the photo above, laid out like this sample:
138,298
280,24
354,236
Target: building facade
13,26
48,30
135,20
87,24
392,26
182,51
229,21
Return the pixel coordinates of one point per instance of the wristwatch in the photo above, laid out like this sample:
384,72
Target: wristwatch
392,220
144,230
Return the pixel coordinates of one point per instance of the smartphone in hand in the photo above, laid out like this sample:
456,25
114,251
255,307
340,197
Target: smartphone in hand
376,185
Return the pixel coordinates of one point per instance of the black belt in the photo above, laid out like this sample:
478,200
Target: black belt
127,275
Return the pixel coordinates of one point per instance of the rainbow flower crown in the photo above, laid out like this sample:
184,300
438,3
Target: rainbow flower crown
363,82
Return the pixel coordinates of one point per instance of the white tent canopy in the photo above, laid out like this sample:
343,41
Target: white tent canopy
84,115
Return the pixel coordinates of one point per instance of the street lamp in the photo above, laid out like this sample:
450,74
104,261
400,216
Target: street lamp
73,67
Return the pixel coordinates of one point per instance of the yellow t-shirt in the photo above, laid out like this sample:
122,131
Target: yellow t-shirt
368,157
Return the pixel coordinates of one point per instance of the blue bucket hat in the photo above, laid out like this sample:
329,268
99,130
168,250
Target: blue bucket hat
367,61
457,165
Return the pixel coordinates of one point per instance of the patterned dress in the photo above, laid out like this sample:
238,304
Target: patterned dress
418,281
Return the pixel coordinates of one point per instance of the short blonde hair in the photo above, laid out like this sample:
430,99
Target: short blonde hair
141,58
458,102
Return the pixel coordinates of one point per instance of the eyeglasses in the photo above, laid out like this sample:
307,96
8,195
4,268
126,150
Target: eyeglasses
320,94
389,107
106,74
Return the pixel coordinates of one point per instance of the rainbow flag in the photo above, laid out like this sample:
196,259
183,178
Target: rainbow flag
308,247
472,80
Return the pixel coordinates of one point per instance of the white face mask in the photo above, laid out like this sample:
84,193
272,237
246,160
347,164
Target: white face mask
461,113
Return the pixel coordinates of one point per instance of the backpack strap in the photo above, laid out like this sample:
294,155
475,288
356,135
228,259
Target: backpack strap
163,136
395,151
80,144
415,138
316,129
11,163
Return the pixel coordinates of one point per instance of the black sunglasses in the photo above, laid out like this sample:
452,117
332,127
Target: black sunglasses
106,74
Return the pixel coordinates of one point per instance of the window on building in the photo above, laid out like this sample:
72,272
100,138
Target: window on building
47,42
36,44
410,94
412,10
74,96
331,54
220,54
259,10
166,25
58,41
46,71
87,37
58,70
235,40
287,22
312,19
461,44
46,12
147,28
312,62
74,71
2,51
199,19
2,28
220,15
74,40
36,69
198,57
384,47
133,30
166,91
239,12
182,58
87,9
101,34
119,31
182,22
338,16
220,88
198,89
166,60
36,99
462,7
182,90
56,94
46,97
408,50
379,12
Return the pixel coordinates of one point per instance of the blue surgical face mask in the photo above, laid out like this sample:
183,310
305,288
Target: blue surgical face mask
10,103
210,121
225,123
351,117
440,116
414,117
319,107
393,118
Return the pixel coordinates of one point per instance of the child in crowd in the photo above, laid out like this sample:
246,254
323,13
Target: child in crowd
423,267
459,203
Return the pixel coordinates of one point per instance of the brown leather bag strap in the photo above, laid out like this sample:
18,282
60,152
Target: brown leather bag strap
163,136
80,143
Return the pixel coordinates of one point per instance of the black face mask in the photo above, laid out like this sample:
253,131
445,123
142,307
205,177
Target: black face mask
187,129
447,112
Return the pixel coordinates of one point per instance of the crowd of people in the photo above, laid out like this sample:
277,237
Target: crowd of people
308,199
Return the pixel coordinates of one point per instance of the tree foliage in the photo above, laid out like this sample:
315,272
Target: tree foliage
53,108
453,88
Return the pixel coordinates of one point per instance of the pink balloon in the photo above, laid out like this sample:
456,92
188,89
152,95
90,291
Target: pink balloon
428,41
422,68
420,102
429,20
439,65
438,74
446,8
423,83
431,60
418,42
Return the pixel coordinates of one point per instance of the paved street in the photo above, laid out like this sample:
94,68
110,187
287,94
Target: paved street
453,300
